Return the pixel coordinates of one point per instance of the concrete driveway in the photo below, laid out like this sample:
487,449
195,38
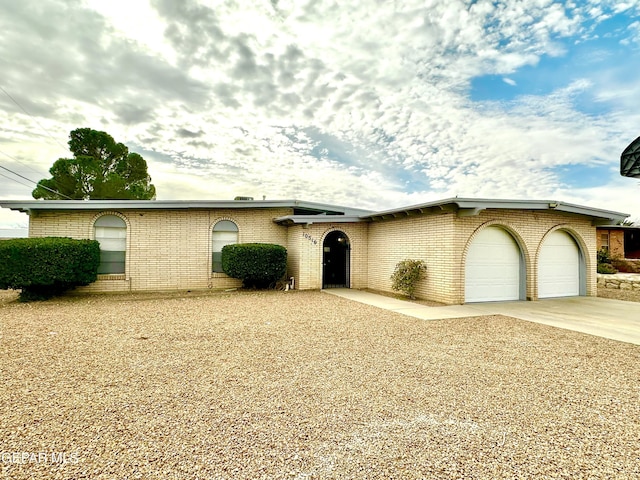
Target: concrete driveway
603,317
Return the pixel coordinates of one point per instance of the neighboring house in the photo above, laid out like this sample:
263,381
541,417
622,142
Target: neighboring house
621,240
476,250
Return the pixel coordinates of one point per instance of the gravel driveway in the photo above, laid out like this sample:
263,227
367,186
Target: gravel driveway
305,385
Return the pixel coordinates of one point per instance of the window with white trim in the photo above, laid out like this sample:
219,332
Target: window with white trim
225,232
111,233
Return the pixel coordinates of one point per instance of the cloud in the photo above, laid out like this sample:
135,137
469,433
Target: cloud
363,103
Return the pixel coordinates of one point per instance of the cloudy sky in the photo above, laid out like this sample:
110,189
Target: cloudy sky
371,104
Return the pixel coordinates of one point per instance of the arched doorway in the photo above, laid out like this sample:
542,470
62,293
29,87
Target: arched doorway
494,269
336,260
560,267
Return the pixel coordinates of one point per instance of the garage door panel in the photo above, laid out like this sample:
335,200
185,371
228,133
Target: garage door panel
492,270
559,266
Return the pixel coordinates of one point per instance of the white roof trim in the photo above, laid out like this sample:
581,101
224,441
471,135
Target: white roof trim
311,219
326,213
473,206
32,205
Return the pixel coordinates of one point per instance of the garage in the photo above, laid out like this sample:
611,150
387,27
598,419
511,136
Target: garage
559,266
493,267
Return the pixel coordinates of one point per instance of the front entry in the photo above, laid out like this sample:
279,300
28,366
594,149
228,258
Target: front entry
336,260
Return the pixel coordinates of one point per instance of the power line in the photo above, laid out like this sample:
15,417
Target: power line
40,173
17,181
22,163
36,183
32,118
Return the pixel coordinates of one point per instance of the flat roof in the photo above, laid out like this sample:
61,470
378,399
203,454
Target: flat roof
26,206
312,212
473,206
310,219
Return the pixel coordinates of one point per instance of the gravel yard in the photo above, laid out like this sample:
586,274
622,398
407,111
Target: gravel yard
305,385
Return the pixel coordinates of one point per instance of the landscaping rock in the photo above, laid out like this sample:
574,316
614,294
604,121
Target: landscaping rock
305,385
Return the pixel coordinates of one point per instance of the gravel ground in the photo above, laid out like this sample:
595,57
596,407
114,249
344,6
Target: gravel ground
305,385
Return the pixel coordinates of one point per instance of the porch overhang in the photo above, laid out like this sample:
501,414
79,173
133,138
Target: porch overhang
311,219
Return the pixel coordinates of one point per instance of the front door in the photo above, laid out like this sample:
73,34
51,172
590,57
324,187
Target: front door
336,260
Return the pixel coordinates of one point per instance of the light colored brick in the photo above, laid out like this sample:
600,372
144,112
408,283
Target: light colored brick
171,249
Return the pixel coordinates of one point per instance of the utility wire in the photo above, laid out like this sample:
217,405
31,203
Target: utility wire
17,181
36,183
39,173
22,163
32,118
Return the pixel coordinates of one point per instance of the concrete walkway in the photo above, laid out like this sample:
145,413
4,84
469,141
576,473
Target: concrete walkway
603,317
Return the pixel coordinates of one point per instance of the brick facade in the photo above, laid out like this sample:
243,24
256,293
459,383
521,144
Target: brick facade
166,249
306,252
442,241
613,239
171,249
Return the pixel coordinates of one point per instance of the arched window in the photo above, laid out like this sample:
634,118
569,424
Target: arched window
225,232
111,232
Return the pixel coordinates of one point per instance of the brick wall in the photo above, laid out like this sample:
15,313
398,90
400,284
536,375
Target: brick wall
171,249
306,249
614,238
442,242
422,237
166,249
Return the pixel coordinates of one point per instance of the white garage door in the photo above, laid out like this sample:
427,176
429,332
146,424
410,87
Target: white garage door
492,270
559,266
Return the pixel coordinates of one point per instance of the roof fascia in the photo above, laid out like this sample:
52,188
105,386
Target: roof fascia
311,219
33,205
465,207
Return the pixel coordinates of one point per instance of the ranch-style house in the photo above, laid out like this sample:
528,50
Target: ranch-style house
476,250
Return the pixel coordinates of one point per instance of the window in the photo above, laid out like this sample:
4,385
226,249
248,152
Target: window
225,232
604,241
111,232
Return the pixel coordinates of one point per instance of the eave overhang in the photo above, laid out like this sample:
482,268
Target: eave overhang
27,206
311,212
465,207
311,219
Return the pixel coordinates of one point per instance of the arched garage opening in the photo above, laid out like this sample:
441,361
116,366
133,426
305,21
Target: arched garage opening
494,268
561,267
336,260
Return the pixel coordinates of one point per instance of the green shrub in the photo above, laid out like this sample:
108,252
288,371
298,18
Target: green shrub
604,262
258,265
406,276
44,267
604,256
606,268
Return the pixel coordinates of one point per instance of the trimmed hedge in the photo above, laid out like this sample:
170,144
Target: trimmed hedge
44,267
258,265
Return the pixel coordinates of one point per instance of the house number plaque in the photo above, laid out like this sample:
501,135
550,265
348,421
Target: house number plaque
310,238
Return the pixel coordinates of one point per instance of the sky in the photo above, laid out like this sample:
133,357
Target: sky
371,104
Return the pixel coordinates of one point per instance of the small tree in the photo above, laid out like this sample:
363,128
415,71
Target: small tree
44,267
257,264
406,276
